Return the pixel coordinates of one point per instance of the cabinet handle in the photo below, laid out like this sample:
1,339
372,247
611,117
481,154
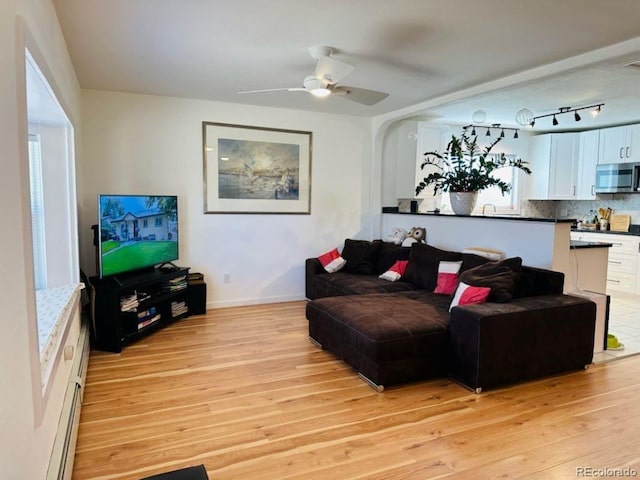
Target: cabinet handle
593,189
613,281
574,191
617,243
621,148
627,151
615,263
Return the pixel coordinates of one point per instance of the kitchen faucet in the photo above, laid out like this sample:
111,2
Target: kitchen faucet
488,205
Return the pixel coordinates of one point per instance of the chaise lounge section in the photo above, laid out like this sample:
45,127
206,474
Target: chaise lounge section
408,334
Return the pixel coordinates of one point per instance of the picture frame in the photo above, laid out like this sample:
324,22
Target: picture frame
250,169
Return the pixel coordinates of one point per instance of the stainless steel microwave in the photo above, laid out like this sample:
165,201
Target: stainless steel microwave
618,178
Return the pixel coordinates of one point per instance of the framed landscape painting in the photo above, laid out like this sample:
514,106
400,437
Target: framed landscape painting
256,169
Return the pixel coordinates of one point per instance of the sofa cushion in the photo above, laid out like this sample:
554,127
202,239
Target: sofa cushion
422,269
388,254
360,256
471,260
538,281
500,276
447,277
332,261
341,283
395,272
468,295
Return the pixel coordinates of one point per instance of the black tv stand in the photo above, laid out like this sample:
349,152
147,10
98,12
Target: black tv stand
129,307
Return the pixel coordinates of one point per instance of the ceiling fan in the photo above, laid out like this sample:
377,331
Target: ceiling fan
324,80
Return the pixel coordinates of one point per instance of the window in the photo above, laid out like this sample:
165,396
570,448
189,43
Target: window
145,223
53,217
158,221
37,213
492,200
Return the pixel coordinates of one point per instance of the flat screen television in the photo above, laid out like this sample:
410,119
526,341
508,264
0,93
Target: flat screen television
136,232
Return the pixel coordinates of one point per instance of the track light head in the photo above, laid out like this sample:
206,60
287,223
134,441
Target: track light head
555,121
533,122
502,133
596,111
488,132
473,131
515,135
577,116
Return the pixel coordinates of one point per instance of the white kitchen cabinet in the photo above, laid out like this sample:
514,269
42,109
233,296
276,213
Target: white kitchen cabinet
554,161
587,161
563,166
623,269
619,144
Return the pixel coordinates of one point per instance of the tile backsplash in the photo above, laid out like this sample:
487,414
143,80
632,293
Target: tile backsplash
619,203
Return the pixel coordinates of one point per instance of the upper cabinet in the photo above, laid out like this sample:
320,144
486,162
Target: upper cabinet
587,161
619,144
554,166
563,166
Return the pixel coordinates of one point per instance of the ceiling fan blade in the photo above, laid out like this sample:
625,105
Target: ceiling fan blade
332,69
291,89
360,95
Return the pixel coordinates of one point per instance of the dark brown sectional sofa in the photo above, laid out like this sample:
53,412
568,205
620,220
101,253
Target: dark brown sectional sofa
398,332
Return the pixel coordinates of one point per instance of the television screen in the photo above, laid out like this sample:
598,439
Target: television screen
136,231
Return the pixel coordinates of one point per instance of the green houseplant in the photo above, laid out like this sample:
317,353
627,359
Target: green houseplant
464,169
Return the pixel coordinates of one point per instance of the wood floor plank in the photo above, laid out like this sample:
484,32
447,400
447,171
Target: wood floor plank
243,391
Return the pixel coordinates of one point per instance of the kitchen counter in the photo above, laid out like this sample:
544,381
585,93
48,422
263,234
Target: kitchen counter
583,244
633,230
394,210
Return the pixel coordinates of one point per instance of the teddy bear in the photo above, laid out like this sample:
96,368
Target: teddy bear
415,235
397,236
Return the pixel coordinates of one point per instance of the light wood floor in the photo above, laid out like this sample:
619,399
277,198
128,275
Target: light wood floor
244,392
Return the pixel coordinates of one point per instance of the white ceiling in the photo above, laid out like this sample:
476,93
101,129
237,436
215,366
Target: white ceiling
415,50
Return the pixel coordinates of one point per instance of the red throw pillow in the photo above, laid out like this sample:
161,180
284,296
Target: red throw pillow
332,261
447,277
466,295
396,271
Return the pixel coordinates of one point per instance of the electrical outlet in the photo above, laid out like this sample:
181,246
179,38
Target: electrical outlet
227,277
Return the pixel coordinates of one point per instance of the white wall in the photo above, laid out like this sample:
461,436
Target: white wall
540,244
24,447
142,144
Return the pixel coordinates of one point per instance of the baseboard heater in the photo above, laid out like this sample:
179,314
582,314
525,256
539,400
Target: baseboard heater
64,447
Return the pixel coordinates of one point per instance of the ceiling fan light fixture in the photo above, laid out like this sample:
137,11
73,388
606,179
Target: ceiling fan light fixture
320,92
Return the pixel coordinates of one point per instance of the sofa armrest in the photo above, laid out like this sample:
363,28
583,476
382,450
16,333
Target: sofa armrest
312,267
501,343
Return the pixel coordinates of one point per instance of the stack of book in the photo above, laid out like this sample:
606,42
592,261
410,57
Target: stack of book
129,303
175,284
178,308
147,317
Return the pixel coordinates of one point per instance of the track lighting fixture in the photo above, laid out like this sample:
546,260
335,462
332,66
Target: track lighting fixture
497,126
595,110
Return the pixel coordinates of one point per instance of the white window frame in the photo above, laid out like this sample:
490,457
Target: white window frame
61,265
